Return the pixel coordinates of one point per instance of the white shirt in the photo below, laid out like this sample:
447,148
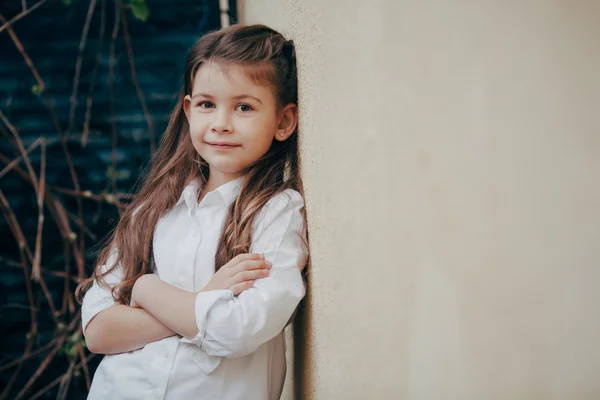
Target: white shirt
239,351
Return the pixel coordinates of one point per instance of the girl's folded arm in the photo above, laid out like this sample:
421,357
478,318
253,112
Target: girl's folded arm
228,326
120,328
110,327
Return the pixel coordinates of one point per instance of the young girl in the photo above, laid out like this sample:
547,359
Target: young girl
204,269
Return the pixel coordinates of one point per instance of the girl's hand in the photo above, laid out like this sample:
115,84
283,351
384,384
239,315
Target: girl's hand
239,273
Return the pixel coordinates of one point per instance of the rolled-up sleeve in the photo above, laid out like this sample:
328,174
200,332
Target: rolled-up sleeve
99,297
231,326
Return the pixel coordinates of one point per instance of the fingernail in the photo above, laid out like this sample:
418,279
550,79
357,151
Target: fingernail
269,264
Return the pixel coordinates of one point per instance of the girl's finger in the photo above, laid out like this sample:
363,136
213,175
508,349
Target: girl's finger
250,275
240,287
250,265
243,257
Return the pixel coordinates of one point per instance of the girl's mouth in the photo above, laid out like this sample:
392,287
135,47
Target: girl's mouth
223,146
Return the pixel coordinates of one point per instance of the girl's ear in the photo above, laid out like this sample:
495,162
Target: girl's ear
187,105
288,120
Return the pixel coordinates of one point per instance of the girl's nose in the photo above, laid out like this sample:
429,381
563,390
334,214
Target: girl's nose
222,123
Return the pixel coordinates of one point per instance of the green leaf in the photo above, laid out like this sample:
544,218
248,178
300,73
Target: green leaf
140,9
74,337
67,2
37,90
71,351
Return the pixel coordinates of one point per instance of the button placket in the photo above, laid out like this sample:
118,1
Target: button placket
187,274
162,363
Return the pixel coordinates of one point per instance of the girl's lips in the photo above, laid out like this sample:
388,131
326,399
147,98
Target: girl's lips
223,145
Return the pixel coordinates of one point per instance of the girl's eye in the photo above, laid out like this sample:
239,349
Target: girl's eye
244,107
206,104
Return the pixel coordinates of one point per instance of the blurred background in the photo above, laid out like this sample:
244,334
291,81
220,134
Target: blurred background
450,153
86,89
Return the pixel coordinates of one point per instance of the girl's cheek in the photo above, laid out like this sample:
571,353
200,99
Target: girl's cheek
196,125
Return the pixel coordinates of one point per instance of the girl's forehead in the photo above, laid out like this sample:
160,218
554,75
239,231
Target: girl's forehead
220,78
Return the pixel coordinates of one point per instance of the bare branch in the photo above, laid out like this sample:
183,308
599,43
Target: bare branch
134,78
82,41
7,24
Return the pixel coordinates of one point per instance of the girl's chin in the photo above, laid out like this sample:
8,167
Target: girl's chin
225,169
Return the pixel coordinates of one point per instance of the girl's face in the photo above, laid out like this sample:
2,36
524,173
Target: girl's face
233,121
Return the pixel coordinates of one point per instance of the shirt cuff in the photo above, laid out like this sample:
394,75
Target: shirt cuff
204,302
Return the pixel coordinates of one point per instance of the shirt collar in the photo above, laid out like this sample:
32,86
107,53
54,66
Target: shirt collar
231,189
227,192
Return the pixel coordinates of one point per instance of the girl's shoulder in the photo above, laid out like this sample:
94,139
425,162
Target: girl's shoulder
288,198
284,202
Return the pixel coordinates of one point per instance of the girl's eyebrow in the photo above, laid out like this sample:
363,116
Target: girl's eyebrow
238,97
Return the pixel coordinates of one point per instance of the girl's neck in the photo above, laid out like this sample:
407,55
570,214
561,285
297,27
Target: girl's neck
216,179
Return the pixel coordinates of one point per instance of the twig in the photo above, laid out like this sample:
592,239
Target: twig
88,107
18,233
39,187
36,75
63,143
87,231
35,271
21,149
15,374
28,356
33,315
86,371
46,195
41,368
63,388
55,382
47,360
105,197
60,274
16,305
82,42
55,207
66,282
111,92
16,161
134,78
17,17
33,326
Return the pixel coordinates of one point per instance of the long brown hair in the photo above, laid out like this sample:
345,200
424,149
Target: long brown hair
267,58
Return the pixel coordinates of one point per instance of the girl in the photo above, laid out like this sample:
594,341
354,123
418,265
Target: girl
204,270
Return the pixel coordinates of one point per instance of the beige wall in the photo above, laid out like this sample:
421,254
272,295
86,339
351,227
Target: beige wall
451,159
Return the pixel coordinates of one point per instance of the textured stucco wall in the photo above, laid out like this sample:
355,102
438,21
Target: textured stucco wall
450,154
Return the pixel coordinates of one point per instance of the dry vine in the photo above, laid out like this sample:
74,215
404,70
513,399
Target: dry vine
68,338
